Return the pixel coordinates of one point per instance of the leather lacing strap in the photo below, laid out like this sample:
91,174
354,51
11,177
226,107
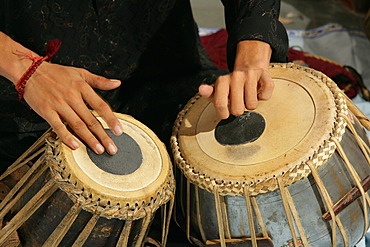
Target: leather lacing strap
286,208
259,217
357,181
27,180
167,218
28,210
290,210
366,151
188,220
223,222
85,233
21,187
364,148
364,120
198,213
221,228
353,172
27,156
250,216
144,227
188,207
329,205
60,231
125,233
225,218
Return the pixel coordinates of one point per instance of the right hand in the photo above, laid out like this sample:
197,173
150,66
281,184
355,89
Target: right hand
57,93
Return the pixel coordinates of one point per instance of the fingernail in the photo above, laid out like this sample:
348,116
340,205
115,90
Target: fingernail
118,130
99,148
115,81
74,144
112,149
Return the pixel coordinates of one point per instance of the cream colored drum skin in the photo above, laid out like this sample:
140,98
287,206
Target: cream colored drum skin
277,186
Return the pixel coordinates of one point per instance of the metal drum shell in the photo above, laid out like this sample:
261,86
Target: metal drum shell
307,200
202,222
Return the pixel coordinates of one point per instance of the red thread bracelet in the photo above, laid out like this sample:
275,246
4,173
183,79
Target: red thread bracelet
52,48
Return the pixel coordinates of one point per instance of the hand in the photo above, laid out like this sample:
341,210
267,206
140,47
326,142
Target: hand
249,82
242,89
57,92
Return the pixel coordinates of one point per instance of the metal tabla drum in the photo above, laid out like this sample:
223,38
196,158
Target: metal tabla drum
77,198
294,172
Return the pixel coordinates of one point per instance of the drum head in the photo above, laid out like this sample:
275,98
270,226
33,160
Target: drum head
138,173
275,139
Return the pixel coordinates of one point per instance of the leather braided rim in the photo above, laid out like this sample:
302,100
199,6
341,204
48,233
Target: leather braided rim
96,203
318,156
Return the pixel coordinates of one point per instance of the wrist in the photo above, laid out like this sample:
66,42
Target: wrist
14,64
52,47
252,54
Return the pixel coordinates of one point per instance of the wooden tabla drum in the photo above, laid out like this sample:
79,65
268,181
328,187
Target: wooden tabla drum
274,176
78,198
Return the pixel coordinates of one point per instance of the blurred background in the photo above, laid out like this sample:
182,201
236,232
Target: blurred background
337,30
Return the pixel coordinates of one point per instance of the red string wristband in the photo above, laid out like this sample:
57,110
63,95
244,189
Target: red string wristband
52,47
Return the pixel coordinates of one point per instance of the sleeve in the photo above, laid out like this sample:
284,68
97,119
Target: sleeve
255,20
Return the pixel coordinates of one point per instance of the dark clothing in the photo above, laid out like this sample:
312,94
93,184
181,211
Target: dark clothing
152,46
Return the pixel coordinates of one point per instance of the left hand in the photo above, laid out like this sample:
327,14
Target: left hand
249,82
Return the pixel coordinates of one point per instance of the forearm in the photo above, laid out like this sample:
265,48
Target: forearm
252,54
12,63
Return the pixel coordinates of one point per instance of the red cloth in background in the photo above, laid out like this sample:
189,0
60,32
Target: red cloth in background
326,67
216,43
339,74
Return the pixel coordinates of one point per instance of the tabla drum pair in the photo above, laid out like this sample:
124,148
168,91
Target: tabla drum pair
77,198
294,172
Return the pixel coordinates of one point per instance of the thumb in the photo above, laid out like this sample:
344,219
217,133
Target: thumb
206,91
100,82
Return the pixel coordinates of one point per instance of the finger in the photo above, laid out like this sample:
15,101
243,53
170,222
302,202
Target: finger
250,93
99,105
103,110
206,91
221,95
237,105
99,82
82,128
93,126
267,86
61,130
96,128
53,118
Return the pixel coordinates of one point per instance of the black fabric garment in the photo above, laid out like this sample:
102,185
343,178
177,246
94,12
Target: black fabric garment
255,20
151,46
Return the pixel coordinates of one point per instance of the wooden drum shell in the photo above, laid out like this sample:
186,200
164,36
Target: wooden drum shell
51,206
36,230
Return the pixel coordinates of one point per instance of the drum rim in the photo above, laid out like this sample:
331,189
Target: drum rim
318,156
126,207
